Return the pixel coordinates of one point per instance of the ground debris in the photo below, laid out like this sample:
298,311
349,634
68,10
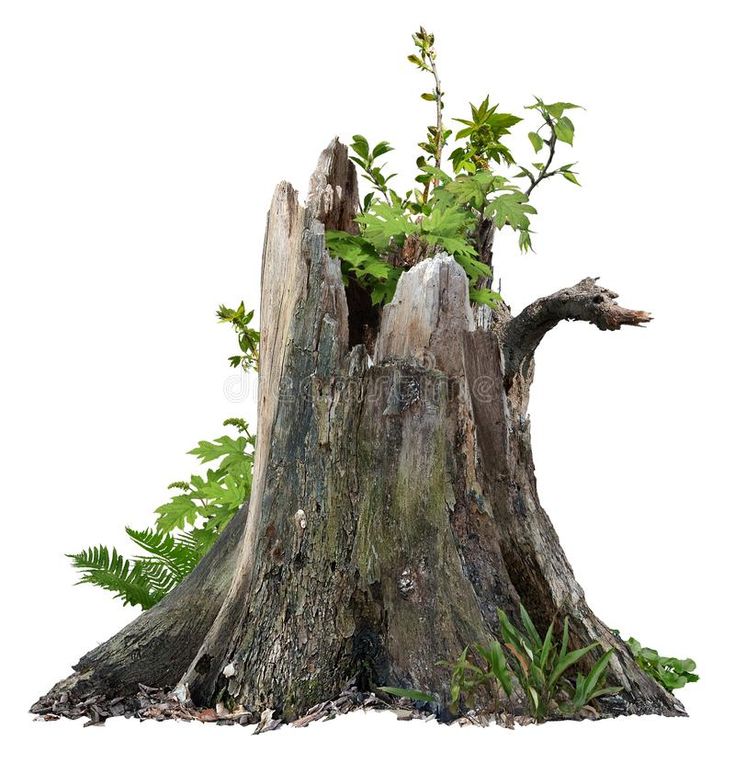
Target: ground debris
349,699
267,722
149,703
160,704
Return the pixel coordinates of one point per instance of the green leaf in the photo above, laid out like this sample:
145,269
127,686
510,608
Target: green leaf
557,109
446,221
567,661
437,173
222,446
564,130
554,110
536,141
534,699
485,297
360,146
530,628
546,647
484,132
596,674
360,257
472,189
381,148
428,96
500,667
383,223
511,634
510,209
680,666
177,513
472,266
524,241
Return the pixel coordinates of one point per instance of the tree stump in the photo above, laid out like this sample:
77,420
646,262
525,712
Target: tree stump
394,504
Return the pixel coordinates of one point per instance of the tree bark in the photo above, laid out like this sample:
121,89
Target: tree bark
394,504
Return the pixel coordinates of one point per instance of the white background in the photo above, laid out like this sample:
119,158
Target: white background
139,145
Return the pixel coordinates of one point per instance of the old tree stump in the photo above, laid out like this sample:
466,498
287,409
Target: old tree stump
394,504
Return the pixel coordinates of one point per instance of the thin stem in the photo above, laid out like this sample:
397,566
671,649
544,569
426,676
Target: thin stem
545,171
376,185
439,137
439,124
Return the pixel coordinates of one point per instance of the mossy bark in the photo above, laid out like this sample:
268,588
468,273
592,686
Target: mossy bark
394,504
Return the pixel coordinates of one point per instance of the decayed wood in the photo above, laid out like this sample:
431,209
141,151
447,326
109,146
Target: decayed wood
586,301
304,318
428,316
394,504
370,492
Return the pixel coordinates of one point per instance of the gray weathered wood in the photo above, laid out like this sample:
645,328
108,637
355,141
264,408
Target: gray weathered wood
394,504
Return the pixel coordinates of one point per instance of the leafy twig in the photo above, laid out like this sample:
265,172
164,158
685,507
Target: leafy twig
544,173
436,135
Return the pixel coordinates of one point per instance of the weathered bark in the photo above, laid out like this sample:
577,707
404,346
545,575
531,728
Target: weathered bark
584,302
394,504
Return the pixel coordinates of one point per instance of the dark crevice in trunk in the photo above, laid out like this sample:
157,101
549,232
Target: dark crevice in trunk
363,316
372,663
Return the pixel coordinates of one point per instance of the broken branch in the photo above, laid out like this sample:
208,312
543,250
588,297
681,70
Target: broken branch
586,301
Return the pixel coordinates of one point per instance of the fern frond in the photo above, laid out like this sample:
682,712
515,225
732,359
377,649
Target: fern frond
160,578
177,557
111,571
186,528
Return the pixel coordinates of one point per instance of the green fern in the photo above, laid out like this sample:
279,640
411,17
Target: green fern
109,570
186,528
188,525
178,555
160,579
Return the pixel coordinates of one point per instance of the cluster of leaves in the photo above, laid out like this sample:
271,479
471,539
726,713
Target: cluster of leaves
671,672
557,126
386,228
247,338
190,522
452,213
185,529
539,666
